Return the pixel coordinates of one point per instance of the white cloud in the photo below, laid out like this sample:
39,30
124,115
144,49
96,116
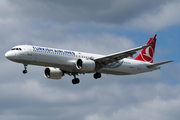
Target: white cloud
102,43
115,100
32,90
167,15
155,108
7,8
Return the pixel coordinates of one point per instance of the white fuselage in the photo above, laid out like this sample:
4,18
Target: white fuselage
66,60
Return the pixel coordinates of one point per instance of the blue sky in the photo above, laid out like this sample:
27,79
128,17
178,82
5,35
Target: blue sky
95,26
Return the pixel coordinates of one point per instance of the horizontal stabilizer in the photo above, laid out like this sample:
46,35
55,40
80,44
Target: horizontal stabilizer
157,64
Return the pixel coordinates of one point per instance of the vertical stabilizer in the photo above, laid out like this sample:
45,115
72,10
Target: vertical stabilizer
147,54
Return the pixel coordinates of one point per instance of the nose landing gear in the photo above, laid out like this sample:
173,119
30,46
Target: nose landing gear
25,68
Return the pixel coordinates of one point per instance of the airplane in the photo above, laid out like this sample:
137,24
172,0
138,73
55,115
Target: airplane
59,62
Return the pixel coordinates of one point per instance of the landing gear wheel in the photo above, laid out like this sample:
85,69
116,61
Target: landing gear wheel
97,75
24,71
25,68
75,81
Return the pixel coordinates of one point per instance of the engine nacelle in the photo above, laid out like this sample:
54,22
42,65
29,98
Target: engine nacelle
53,73
85,65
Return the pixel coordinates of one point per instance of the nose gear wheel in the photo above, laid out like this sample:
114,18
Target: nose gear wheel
25,68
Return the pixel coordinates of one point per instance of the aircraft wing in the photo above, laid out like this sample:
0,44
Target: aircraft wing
157,64
103,61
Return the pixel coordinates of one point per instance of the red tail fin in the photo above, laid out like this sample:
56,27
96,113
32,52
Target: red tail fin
147,54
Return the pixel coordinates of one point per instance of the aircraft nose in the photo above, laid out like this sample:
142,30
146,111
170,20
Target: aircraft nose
9,55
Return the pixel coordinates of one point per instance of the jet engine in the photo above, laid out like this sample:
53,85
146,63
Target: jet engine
53,73
85,65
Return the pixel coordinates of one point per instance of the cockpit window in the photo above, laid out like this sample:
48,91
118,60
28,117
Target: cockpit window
16,49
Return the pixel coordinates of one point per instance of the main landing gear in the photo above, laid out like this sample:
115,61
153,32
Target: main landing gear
25,68
97,75
75,80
